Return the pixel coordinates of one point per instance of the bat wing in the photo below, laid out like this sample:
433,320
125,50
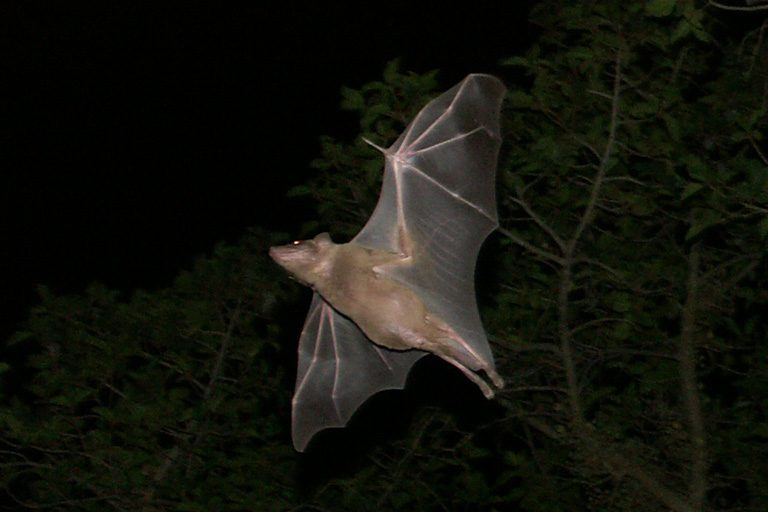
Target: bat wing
438,193
339,369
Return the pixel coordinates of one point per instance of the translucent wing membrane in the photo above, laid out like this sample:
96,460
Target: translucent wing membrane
439,189
438,196
338,370
454,142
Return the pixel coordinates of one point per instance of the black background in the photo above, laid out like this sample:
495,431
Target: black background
135,135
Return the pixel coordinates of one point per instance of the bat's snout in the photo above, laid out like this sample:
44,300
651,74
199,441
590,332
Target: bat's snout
295,258
282,253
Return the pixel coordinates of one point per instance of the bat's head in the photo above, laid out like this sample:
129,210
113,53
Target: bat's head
306,260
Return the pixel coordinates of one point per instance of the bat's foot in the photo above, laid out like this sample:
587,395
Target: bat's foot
487,391
484,387
495,377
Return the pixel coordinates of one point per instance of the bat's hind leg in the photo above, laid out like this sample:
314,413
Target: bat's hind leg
495,377
453,338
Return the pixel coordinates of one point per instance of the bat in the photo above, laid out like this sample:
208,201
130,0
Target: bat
403,287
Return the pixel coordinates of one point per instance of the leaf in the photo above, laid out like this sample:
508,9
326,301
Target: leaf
519,99
696,167
691,189
622,330
673,127
703,219
352,99
660,8
392,71
513,459
20,337
299,191
763,228
580,53
683,29
11,423
516,61
621,302
760,430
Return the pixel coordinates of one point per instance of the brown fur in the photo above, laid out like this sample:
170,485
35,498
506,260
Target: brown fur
388,312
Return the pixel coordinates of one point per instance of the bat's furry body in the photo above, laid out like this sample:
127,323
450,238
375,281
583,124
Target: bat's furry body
352,279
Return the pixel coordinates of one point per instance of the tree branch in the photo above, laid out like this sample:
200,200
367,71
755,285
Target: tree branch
566,277
400,468
586,217
173,455
756,147
612,457
537,219
566,348
221,356
687,354
618,464
541,253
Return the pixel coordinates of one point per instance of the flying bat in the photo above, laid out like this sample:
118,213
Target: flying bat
404,286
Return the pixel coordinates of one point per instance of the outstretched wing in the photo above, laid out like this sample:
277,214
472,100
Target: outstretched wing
438,204
439,194
339,369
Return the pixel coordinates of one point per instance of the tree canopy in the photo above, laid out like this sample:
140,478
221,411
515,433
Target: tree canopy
624,295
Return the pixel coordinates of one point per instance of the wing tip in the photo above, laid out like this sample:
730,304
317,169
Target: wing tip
302,437
303,431
300,447
486,77
301,441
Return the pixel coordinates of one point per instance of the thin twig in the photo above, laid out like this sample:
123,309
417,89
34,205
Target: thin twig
586,217
566,277
690,392
757,148
520,201
737,7
546,255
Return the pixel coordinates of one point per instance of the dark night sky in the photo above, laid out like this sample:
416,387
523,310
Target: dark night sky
136,134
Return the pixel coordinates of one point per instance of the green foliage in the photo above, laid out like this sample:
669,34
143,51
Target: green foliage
170,400
629,156
349,181
626,308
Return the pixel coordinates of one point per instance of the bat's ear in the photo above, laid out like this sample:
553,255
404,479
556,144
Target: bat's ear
323,239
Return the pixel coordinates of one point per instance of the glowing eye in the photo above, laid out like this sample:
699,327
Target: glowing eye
296,242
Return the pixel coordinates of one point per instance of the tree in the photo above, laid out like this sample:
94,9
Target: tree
171,400
637,203
624,295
